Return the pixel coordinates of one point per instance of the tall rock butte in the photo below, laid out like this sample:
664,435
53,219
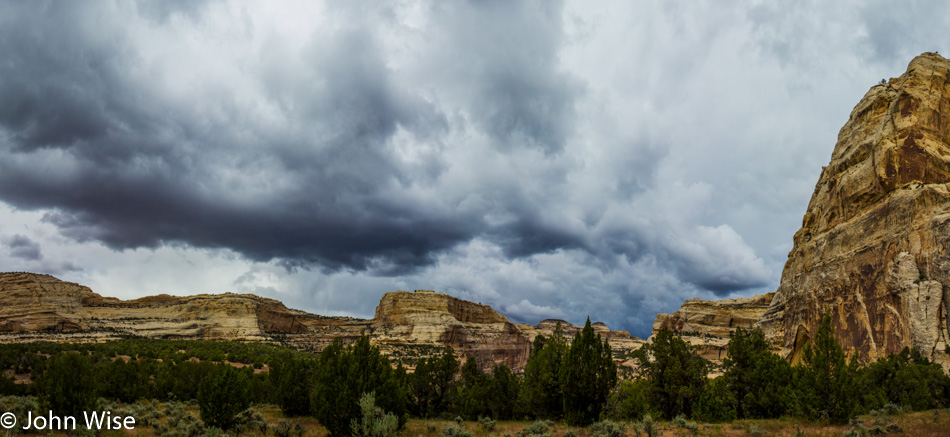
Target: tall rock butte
874,247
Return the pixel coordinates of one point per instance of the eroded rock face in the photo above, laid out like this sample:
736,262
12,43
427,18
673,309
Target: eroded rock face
709,325
472,330
407,325
874,247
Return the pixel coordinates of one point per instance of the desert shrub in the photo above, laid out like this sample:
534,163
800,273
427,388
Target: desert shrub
893,427
286,428
648,425
570,433
628,401
374,422
213,431
20,406
607,428
251,420
455,431
487,423
537,428
181,424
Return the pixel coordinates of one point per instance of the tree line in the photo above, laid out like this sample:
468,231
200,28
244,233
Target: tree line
758,384
574,381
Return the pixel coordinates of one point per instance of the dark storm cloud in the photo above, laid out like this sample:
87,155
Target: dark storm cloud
23,247
449,151
117,161
504,55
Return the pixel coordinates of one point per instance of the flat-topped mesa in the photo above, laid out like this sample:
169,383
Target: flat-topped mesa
407,325
874,247
429,318
41,307
709,325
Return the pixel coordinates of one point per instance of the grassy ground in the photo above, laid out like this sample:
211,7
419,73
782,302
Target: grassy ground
925,424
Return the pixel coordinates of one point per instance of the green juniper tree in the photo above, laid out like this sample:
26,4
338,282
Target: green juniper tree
503,393
587,375
675,373
431,385
906,378
67,385
826,381
473,391
344,375
293,377
222,395
758,380
541,385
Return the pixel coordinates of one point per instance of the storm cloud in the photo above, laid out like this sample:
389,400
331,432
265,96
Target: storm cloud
552,159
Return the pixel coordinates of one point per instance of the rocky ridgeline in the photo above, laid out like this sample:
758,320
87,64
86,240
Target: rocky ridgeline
407,325
874,247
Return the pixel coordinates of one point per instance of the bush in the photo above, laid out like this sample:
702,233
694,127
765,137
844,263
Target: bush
537,428
648,425
344,374
628,401
455,431
67,385
374,422
607,428
287,429
222,396
487,423
253,421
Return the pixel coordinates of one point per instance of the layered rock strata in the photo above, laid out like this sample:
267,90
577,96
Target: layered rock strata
709,325
406,326
873,251
874,247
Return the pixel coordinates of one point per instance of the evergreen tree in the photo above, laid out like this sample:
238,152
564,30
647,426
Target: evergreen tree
675,372
826,382
123,381
587,375
503,393
67,385
431,384
344,375
293,380
222,396
906,378
472,400
541,386
758,380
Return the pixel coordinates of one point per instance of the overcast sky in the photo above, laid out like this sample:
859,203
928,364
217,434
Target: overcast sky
551,159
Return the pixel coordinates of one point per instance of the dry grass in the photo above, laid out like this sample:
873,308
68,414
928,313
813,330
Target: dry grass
932,423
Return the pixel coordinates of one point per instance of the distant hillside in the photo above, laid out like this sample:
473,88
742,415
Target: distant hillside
407,325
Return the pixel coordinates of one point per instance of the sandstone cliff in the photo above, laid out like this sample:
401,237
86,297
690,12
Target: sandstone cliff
710,324
874,247
406,326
